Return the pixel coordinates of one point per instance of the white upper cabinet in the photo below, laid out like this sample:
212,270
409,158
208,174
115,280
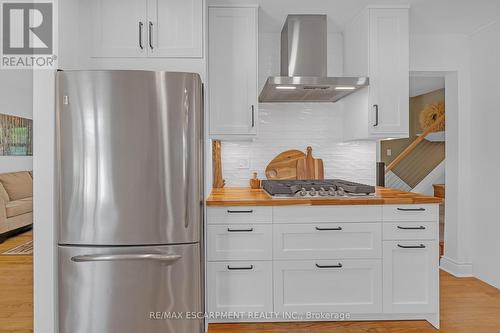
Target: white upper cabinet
377,46
142,28
176,28
232,70
119,28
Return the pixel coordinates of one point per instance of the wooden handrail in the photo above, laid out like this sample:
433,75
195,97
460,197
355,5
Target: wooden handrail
414,144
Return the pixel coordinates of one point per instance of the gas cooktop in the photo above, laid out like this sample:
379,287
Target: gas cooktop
316,188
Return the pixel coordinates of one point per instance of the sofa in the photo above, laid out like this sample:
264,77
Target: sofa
16,203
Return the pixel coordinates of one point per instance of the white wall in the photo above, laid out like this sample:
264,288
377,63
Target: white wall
449,55
485,71
296,126
16,98
284,126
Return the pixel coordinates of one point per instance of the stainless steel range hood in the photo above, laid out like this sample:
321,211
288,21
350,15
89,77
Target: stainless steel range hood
304,66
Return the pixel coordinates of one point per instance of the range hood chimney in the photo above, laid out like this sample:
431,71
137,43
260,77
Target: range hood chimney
304,66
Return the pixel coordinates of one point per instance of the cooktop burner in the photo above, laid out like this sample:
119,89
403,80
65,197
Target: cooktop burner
316,188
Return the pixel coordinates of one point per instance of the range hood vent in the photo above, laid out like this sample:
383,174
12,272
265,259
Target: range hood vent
304,66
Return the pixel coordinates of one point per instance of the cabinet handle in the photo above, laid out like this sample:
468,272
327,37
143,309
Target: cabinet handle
231,268
328,229
421,246
253,115
411,228
140,35
411,209
240,230
376,115
339,265
151,35
240,211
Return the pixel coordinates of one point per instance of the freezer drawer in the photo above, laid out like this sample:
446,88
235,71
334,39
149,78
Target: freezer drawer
129,289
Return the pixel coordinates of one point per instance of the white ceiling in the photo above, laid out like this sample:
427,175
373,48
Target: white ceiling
426,16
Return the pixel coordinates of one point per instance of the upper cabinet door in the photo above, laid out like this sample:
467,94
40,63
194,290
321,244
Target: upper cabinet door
119,28
389,71
175,28
376,44
232,70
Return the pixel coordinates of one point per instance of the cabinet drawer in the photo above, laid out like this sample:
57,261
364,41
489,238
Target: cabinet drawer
239,242
400,213
409,230
240,286
319,214
327,240
353,286
244,215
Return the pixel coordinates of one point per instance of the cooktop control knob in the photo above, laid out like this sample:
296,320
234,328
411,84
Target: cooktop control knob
303,192
323,192
331,192
312,192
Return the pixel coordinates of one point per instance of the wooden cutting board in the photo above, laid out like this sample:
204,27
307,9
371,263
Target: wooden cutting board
310,167
284,166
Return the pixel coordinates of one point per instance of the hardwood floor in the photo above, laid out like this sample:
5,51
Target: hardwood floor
16,288
467,306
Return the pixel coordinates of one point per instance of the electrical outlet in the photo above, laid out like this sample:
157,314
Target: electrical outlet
389,152
244,163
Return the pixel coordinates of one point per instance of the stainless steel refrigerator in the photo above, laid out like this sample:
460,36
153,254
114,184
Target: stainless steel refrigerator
130,201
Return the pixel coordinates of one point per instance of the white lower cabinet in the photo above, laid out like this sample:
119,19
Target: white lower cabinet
353,286
411,280
242,286
327,240
319,263
239,242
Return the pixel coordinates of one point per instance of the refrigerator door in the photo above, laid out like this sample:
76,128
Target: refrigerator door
130,154
130,289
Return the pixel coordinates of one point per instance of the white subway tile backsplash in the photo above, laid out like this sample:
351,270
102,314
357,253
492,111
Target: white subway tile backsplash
295,126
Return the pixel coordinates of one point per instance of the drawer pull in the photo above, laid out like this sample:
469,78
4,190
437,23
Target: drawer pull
339,265
241,268
411,209
240,230
328,229
411,228
421,246
240,211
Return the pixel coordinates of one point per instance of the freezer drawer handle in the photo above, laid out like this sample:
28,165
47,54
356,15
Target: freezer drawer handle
244,268
411,228
411,209
421,246
339,265
126,257
240,211
329,229
240,230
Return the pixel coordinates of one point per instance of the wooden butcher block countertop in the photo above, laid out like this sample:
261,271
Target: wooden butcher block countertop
242,196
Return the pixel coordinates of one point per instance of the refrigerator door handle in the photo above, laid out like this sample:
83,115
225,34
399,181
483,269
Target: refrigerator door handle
126,257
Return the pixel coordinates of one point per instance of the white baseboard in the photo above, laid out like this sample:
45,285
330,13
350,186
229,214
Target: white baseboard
456,268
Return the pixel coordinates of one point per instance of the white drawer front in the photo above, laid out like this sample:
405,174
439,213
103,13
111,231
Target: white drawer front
410,230
320,214
412,213
239,242
324,286
245,215
240,286
327,240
